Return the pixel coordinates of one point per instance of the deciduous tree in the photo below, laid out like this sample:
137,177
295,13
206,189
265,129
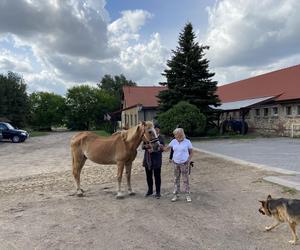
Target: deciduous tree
13,99
46,110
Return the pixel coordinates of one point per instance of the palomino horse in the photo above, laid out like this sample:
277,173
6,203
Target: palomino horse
120,148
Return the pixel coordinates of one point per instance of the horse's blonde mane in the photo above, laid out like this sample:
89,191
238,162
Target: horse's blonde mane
129,133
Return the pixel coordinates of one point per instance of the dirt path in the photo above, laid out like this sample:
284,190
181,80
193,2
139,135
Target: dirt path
37,211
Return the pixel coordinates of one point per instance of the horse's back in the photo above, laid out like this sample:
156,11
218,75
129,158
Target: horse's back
82,136
96,148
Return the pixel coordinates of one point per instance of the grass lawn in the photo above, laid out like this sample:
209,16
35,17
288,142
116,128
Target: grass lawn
42,133
101,132
38,133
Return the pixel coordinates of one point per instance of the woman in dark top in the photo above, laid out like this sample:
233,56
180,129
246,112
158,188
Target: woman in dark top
152,163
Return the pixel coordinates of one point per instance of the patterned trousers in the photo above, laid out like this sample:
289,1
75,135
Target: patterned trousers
181,169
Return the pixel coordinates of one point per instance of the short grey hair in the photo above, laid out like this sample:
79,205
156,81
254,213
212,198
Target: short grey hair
179,131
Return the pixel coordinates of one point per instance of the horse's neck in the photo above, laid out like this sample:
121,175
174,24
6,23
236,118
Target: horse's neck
135,140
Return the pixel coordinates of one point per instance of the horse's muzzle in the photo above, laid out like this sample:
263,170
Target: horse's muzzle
155,144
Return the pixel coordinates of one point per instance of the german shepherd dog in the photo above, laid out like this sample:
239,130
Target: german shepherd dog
283,210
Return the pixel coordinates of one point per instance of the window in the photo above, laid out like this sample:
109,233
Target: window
3,127
135,119
266,111
298,110
275,111
131,120
288,110
257,112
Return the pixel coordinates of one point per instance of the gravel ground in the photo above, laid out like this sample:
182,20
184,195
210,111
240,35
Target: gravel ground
38,212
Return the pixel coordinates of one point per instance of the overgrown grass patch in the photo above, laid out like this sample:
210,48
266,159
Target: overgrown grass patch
38,133
291,191
101,132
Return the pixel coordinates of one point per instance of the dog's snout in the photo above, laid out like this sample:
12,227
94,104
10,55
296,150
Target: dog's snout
261,211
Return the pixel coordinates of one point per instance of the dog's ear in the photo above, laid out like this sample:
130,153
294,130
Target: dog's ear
262,202
143,123
269,197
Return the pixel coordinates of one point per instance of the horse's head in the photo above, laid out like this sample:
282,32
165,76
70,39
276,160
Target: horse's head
150,135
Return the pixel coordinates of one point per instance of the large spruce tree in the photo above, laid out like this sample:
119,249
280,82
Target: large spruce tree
188,76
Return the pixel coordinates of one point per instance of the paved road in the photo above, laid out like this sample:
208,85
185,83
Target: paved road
277,154
281,153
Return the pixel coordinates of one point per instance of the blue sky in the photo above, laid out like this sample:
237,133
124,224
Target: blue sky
169,16
57,44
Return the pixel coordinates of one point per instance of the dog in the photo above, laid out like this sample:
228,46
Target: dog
283,210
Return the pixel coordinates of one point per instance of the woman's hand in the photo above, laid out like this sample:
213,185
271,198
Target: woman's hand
150,150
188,161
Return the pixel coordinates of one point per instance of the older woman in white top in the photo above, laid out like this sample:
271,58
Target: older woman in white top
183,152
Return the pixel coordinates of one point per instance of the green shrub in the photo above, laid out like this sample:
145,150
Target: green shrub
106,126
212,131
184,114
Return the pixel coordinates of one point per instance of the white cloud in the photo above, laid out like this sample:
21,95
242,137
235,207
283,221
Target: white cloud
13,62
72,42
248,35
131,21
145,61
55,44
126,28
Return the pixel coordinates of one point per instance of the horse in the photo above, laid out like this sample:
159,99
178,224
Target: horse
120,148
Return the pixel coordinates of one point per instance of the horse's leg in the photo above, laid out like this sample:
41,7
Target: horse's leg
120,173
78,160
128,175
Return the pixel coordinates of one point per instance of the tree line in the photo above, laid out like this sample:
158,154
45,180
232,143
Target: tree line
82,108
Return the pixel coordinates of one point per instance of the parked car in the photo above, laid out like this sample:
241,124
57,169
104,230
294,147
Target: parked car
7,131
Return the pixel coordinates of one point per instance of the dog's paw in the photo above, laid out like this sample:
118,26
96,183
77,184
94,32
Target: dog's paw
267,229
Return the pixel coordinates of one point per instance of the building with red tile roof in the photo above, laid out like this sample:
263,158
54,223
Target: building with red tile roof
140,103
269,103
283,83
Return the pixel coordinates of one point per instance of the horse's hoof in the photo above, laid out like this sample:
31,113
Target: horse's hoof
119,196
80,193
131,193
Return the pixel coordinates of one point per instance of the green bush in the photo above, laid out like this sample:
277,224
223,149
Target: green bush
184,114
212,131
106,126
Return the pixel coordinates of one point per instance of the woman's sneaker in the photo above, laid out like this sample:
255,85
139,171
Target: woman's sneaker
175,198
188,198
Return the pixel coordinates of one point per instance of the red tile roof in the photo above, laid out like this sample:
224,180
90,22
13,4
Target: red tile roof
147,96
284,83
